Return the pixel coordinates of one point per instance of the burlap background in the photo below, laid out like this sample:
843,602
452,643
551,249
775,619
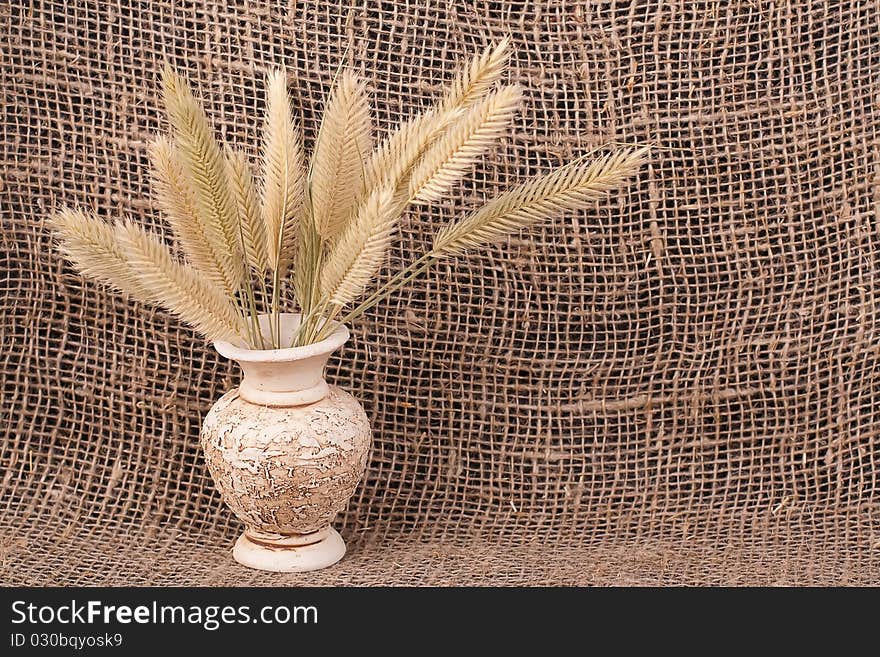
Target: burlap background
679,387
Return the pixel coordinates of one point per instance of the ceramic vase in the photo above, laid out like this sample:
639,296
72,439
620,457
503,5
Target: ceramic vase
286,450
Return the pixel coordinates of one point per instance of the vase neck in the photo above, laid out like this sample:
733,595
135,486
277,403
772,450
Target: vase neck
284,377
285,383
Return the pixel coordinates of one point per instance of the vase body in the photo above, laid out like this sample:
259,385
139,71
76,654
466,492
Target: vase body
286,452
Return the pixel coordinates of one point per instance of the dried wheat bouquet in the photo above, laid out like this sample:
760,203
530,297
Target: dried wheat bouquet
326,222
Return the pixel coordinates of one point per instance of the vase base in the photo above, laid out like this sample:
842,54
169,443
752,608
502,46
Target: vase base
299,554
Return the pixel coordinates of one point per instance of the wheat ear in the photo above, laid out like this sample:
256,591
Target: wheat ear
253,229
201,241
477,77
283,176
358,253
90,244
344,141
471,135
571,187
206,168
392,161
177,287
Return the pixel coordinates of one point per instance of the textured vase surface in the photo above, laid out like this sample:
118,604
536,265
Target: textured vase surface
286,451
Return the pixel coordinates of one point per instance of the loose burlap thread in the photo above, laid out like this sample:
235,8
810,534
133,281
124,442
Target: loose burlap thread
679,386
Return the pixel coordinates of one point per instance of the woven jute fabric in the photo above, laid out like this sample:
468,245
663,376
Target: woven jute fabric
680,386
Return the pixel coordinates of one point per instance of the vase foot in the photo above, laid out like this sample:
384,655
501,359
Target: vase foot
289,554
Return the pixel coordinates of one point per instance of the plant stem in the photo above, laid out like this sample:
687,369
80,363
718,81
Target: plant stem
252,302
296,340
264,293
246,308
395,282
403,277
309,266
238,301
275,318
317,305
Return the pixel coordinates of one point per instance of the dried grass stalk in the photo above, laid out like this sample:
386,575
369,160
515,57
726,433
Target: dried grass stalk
91,246
179,288
344,141
392,161
309,251
338,227
360,250
201,241
571,187
478,77
253,229
283,174
471,135
206,168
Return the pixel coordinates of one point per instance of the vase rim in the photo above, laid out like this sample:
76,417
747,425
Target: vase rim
328,345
